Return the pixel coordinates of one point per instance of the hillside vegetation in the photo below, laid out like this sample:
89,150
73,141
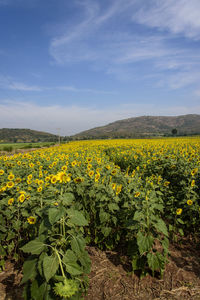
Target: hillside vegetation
15,135
145,126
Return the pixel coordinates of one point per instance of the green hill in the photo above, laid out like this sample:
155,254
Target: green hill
15,135
145,126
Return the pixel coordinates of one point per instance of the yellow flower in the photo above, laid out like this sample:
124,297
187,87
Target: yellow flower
56,203
96,177
91,173
179,211
19,163
21,198
1,172
18,180
78,180
194,171
39,189
53,179
114,172
29,177
31,165
89,159
10,184
166,183
113,186
11,176
10,201
119,188
64,168
31,220
73,163
137,194
189,202
108,167
193,183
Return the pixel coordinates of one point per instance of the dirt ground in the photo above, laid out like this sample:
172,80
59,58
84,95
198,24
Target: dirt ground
110,278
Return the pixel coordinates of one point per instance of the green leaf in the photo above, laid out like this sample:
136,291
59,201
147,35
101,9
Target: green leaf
145,242
161,227
155,261
77,218
78,245
73,268
2,251
33,247
67,198
34,290
106,231
104,216
55,214
138,216
180,221
29,270
69,256
50,266
113,206
3,229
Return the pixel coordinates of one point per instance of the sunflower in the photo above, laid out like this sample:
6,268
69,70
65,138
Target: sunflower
53,179
137,194
179,211
39,189
78,180
194,171
1,172
21,198
10,201
31,220
11,176
189,202
10,184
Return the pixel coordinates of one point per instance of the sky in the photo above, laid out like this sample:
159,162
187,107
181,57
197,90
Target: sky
68,66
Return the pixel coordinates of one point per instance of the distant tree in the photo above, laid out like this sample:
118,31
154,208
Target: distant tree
174,131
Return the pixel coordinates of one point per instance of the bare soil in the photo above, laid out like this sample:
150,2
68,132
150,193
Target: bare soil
111,279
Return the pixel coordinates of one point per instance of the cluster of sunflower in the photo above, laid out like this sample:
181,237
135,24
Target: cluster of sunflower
109,180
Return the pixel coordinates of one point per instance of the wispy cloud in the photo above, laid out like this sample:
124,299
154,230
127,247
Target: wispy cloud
73,119
7,82
109,45
79,90
179,17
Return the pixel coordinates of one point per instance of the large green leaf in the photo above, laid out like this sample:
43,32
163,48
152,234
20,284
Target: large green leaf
73,269
161,227
145,242
155,261
55,214
69,256
50,266
34,247
29,270
67,198
77,218
78,245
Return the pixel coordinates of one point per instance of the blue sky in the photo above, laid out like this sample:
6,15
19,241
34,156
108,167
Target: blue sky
79,64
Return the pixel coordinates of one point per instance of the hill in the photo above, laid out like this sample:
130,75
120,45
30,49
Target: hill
145,126
15,135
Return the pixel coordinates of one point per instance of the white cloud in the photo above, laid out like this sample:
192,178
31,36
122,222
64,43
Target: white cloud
9,83
73,119
178,17
110,49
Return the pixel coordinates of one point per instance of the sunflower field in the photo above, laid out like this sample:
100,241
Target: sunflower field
132,195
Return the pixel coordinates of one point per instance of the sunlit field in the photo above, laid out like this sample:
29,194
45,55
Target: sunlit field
136,194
